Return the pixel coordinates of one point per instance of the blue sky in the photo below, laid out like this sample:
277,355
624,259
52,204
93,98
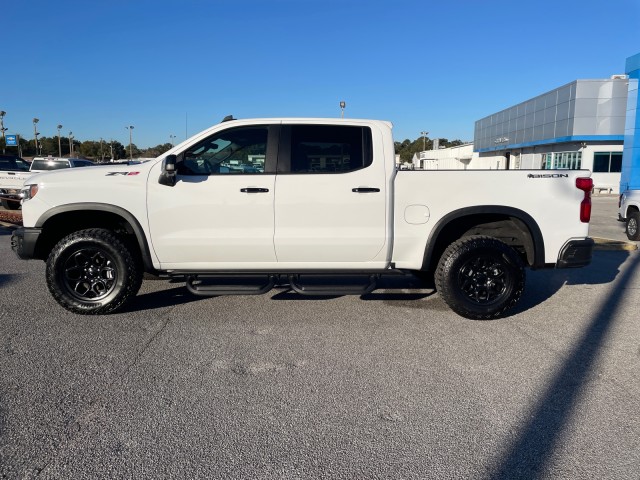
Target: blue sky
171,67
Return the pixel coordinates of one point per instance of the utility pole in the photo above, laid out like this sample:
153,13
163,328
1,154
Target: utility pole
130,128
35,134
4,139
424,140
59,144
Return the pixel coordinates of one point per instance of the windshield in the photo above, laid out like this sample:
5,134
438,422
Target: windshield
13,164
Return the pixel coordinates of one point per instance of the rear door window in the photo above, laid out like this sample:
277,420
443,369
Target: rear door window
329,148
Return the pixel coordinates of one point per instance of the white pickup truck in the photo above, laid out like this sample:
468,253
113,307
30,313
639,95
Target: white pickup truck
629,212
14,171
311,203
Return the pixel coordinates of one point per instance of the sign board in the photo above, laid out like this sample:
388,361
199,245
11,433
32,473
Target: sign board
11,140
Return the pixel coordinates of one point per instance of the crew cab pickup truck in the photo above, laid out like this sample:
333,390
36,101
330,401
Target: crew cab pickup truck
13,173
306,203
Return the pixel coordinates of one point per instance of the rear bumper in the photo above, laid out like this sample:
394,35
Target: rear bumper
23,242
576,253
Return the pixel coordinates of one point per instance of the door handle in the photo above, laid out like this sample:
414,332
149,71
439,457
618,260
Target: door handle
254,190
365,190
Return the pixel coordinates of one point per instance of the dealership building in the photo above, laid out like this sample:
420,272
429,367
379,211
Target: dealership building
580,125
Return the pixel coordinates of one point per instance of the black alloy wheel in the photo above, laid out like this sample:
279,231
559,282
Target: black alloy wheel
480,277
93,271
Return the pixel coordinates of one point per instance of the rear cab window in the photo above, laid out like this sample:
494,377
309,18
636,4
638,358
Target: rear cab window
43,164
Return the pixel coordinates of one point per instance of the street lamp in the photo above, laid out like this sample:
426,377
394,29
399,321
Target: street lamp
2,114
70,144
130,128
424,140
171,137
343,105
35,134
59,144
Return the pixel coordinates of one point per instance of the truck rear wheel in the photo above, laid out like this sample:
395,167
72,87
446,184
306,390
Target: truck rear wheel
480,277
633,226
93,272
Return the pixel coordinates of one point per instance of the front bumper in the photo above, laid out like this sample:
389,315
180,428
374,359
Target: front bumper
23,242
576,253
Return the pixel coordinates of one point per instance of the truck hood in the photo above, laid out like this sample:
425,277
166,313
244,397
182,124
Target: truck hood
97,173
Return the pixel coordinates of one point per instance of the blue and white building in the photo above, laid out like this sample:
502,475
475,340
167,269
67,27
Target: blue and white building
578,125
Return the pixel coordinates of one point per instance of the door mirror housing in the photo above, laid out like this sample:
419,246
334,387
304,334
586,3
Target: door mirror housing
168,175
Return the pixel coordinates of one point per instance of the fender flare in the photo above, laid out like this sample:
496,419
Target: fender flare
528,220
138,231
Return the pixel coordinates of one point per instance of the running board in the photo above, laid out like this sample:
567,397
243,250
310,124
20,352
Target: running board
325,289
210,285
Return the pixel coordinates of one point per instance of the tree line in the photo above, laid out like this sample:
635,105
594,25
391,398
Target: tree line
91,149
103,150
407,148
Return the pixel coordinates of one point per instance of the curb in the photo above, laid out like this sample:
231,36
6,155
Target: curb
615,245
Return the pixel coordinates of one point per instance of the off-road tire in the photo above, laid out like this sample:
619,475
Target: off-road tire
633,226
480,277
93,272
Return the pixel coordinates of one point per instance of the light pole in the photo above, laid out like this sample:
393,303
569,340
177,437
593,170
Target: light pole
424,140
59,144
4,140
171,137
70,144
130,128
343,105
35,134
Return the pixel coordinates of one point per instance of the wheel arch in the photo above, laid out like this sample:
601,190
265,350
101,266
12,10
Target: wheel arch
513,226
64,219
632,207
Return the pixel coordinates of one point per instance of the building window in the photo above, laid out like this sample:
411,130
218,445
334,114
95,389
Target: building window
562,160
607,162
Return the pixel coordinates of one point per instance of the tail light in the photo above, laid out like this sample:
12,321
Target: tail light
586,185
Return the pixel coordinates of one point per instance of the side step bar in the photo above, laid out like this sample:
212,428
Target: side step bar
329,289
215,285
306,284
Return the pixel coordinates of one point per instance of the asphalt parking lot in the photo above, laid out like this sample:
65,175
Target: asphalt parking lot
389,385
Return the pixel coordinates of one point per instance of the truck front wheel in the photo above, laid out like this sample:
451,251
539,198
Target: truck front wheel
92,272
480,277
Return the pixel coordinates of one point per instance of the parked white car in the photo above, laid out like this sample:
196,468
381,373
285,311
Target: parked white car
13,173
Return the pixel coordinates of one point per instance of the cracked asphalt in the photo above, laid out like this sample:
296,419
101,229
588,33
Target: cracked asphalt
390,385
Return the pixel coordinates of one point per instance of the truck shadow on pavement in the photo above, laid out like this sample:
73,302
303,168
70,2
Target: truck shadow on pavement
161,299
533,448
544,284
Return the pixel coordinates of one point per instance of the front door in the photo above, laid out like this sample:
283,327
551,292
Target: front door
220,212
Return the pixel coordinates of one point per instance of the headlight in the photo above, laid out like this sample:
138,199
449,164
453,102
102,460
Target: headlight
29,191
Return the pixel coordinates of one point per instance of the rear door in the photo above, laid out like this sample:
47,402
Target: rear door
330,203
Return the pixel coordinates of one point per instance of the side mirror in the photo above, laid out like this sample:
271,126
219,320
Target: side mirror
168,175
